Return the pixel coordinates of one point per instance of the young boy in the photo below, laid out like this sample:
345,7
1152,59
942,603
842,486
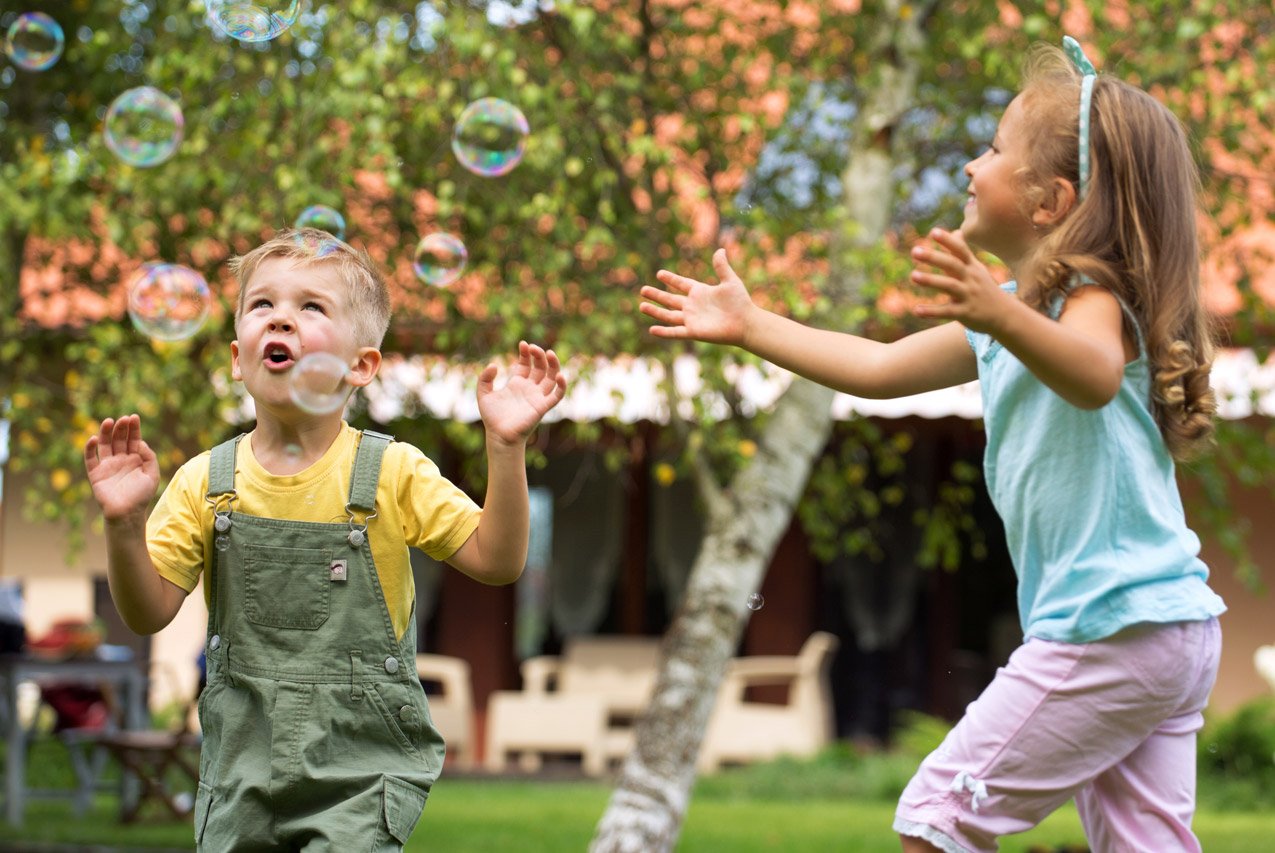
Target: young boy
317,735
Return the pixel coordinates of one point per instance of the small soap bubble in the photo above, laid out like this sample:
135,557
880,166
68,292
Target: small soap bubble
324,218
440,258
292,451
221,542
143,127
755,601
168,302
317,383
34,41
490,137
262,20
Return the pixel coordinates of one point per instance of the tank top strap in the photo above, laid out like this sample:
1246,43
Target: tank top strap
1131,319
221,467
367,469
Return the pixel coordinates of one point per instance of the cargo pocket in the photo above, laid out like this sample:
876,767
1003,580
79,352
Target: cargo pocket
204,799
403,804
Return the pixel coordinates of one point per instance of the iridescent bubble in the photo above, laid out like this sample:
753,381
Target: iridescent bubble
324,218
262,20
440,258
35,41
144,126
168,302
755,601
317,383
490,137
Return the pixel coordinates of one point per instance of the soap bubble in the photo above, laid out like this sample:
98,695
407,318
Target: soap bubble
262,20
324,218
168,302
755,601
440,258
317,383
490,137
35,41
143,126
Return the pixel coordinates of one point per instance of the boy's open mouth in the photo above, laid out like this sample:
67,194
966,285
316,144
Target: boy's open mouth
277,356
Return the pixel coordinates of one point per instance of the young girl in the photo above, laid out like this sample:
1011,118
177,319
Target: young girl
1094,374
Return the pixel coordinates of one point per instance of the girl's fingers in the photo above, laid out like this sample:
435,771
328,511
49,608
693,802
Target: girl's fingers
666,316
663,297
945,261
536,370
679,283
954,243
935,281
721,265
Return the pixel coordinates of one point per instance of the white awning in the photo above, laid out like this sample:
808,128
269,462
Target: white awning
630,389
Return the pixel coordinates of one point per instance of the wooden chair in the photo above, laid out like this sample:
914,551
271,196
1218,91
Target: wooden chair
151,757
451,704
742,730
583,702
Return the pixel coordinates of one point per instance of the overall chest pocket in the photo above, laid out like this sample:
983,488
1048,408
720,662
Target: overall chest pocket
286,587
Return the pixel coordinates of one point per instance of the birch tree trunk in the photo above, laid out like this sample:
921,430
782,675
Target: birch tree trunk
748,516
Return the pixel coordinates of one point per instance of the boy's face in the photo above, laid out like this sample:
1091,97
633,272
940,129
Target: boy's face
291,310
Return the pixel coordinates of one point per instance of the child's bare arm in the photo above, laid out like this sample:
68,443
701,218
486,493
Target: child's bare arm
1081,356
124,474
497,550
724,313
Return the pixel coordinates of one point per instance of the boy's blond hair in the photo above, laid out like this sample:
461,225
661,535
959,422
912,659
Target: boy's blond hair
369,297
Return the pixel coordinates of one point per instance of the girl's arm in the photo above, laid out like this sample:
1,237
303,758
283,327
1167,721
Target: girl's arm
1080,356
725,313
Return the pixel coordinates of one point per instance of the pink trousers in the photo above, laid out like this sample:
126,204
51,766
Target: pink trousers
1112,723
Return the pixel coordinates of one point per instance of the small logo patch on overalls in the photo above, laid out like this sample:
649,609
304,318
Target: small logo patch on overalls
338,572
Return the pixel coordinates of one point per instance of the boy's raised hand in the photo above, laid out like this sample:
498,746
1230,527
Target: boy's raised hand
122,469
975,298
715,313
536,384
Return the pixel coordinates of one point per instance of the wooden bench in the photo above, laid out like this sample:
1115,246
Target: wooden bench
450,694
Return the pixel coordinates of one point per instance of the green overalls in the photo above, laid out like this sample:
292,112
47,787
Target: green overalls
317,735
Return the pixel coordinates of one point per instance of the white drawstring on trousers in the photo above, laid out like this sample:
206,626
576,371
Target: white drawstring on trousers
965,782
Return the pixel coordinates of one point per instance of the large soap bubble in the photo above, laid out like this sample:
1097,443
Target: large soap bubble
317,383
34,41
261,20
143,126
324,218
440,258
168,302
490,137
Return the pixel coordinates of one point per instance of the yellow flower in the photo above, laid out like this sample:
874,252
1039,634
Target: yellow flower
43,424
60,478
856,474
665,474
747,448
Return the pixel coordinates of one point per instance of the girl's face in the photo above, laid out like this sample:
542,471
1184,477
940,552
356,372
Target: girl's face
995,218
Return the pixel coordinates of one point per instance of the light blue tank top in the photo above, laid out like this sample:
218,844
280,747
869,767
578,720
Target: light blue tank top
1090,503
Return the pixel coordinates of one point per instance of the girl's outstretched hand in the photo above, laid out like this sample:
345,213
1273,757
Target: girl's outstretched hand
976,299
536,384
122,468
715,313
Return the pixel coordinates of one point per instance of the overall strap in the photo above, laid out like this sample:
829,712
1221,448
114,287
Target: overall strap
367,469
221,467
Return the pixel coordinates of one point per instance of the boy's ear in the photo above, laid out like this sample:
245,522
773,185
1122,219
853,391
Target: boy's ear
1060,198
235,372
366,364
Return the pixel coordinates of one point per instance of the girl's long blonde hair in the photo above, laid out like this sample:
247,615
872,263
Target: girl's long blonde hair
1134,232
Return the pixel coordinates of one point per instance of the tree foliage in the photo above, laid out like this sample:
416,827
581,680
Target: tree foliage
659,130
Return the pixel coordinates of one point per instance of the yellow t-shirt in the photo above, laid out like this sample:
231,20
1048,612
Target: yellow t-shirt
415,504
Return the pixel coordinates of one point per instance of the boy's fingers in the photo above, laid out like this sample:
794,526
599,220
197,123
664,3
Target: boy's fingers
90,454
134,434
119,436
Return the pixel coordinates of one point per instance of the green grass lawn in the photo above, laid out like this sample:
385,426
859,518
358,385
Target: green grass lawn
766,808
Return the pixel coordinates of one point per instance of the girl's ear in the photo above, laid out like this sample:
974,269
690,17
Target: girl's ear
1059,200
